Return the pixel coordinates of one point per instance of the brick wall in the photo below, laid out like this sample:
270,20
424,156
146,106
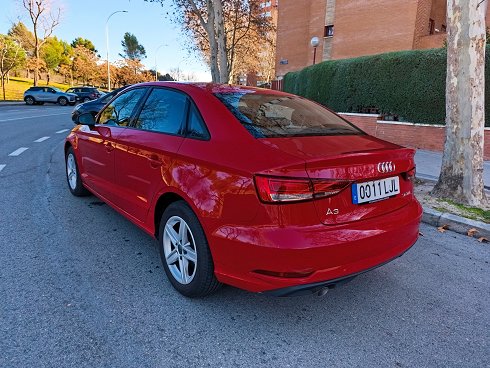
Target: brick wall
421,29
368,27
432,42
405,134
298,21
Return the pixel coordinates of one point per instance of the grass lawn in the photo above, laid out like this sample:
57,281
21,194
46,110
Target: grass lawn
14,90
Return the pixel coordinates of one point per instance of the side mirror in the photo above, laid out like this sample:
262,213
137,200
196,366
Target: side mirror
86,119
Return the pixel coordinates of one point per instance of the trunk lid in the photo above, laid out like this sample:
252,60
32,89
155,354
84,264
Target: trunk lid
358,159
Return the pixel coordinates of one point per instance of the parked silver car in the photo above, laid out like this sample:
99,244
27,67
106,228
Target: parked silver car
40,95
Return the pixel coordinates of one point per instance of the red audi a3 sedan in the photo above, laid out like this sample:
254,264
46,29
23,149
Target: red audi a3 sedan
258,189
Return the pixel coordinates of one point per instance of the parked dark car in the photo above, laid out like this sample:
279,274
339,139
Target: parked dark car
40,95
94,106
85,94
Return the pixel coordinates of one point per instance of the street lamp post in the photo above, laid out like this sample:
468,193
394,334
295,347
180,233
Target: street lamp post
107,46
314,42
156,65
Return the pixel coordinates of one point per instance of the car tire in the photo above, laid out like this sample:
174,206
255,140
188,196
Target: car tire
63,101
86,99
29,100
189,266
73,175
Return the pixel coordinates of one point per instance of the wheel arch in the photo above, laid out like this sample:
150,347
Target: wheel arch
165,200
67,145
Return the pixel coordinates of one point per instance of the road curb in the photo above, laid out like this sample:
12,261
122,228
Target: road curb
455,223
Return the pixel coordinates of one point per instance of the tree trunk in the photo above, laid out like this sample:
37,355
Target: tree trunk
219,24
462,165
213,45
36,59
3,86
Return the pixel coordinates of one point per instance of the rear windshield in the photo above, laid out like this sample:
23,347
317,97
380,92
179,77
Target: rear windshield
274,116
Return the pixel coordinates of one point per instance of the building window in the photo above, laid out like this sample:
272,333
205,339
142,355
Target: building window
432,26
444,28
328,31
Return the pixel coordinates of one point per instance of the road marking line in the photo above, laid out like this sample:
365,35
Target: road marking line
2,167
30,117
41,139
17,152
62,131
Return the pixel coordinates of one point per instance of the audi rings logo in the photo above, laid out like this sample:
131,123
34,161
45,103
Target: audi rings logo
386,167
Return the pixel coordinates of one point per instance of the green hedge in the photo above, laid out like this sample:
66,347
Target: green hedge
410,84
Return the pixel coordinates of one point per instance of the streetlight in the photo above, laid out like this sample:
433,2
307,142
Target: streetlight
314,43
107,46
156,65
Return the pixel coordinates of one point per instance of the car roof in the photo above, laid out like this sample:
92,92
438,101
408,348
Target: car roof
213,87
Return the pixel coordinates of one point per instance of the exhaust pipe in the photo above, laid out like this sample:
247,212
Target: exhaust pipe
323,291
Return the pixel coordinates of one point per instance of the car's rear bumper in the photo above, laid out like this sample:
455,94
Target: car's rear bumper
330,253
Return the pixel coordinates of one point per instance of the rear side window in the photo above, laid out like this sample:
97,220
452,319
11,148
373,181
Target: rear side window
274,116
164,111
196,127
120,110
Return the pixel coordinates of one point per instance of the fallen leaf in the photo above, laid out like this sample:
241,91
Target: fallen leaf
443,228
483,240
421,233
472,232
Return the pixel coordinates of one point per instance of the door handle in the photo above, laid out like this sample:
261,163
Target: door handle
109,146
155,162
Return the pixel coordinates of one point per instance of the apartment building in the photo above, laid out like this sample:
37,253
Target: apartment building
351,28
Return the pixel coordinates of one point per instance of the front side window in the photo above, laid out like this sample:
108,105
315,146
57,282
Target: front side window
164,111
275,116
120,110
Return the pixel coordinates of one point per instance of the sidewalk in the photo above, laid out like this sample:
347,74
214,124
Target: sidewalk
429,166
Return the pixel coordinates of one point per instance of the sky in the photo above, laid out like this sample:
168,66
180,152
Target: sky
150,22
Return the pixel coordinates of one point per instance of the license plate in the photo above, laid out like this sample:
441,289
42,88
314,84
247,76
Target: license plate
375,190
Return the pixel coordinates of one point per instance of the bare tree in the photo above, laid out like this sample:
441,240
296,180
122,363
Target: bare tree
462,165
43,21
211,19
11,56
229,33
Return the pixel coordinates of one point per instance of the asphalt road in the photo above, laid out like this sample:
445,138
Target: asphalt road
80,286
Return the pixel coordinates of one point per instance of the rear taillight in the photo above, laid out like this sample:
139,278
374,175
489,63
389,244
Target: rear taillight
409,175
280,190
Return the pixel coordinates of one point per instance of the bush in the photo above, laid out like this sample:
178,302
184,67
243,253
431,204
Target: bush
410,84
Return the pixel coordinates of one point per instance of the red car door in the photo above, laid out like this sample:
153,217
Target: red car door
148,148
96,144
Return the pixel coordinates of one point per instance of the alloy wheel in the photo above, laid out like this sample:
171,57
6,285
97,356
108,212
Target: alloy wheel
71,171
180,250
